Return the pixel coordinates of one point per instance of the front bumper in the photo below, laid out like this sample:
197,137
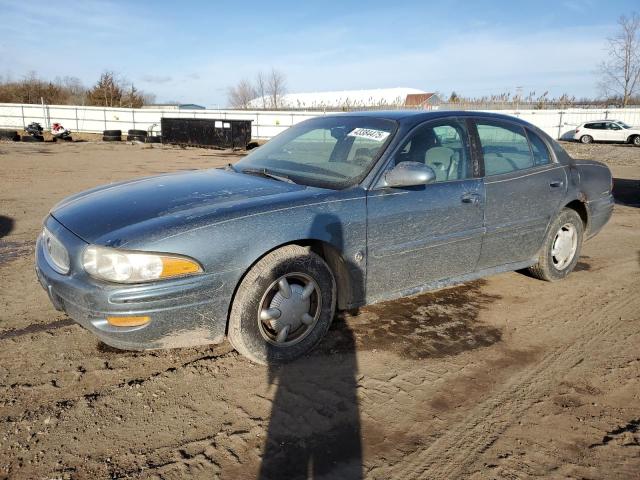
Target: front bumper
184,312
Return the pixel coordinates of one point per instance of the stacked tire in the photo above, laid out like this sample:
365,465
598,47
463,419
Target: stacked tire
11,135
112,135
33,138
154,139
137,136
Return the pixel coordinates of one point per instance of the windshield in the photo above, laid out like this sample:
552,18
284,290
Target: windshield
329,152
624,125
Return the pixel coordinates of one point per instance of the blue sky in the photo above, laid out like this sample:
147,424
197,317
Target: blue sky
193,51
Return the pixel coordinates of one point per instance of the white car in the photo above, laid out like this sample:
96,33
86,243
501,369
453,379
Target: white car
607,131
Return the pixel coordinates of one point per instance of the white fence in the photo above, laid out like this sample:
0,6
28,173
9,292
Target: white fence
266,124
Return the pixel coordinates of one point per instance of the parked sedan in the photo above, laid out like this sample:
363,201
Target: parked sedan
607,131
335,213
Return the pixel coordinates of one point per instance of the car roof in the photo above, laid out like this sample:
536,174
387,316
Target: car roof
600,121
419,116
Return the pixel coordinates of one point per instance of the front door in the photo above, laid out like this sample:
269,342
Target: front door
419,235
615,132
523,187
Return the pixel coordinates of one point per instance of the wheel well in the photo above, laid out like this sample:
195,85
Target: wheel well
631,137
338,265
581,209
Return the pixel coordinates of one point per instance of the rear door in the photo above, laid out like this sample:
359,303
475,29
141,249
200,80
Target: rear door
418,235
523,186
598,131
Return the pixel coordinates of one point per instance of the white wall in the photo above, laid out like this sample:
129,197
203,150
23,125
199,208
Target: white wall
266,124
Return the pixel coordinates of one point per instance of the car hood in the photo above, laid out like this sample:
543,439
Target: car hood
159,206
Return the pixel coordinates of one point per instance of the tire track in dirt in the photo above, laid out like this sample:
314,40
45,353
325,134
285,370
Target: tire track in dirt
451,454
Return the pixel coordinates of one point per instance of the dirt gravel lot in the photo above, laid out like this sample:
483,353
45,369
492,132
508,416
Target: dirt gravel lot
506,377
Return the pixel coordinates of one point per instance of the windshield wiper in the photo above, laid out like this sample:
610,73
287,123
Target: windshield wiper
266,173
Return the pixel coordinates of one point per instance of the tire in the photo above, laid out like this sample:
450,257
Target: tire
112,138
32,138
586,139
252,145
635,141
154,139
9,135
136,138
112,133
254,338
548,267
137,133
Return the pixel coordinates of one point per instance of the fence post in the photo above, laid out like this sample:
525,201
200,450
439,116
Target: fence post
24,125
133,117
104,112
77,123
559,125
606,114
257,124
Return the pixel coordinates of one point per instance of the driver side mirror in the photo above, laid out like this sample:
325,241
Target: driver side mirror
409,174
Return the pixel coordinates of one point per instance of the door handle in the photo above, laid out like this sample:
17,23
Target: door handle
556,183
472,198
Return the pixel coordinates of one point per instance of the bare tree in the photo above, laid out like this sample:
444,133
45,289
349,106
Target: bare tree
241,95
621,72
261,89
114,91
276,87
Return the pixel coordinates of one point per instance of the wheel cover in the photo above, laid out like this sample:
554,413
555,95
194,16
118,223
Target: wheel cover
564,246
289,309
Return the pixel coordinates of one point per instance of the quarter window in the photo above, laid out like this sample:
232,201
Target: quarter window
441,145
540,151
505,148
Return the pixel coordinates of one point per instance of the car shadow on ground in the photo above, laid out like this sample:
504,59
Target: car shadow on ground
627,192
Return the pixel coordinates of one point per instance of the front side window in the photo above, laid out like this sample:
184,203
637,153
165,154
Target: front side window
613,126
505,147
441,145
327,152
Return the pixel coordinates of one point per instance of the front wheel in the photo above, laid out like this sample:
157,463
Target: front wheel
586,139
561,248
283,307
635,141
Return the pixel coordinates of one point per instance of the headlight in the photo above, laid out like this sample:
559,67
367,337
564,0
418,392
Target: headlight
55,253
132,267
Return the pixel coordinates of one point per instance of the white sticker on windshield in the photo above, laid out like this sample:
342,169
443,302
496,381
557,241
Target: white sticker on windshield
369,133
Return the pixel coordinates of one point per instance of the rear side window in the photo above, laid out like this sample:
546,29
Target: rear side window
539,149
595,126
505,147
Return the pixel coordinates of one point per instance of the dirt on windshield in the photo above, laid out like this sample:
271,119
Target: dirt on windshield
506,377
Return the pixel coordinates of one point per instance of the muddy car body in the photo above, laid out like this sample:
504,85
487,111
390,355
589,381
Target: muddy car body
336,212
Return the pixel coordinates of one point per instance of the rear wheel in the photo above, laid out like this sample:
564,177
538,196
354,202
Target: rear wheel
561,249
283,307
635,141
586,139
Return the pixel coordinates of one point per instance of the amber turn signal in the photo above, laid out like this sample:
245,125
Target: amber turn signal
128,321
176,267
